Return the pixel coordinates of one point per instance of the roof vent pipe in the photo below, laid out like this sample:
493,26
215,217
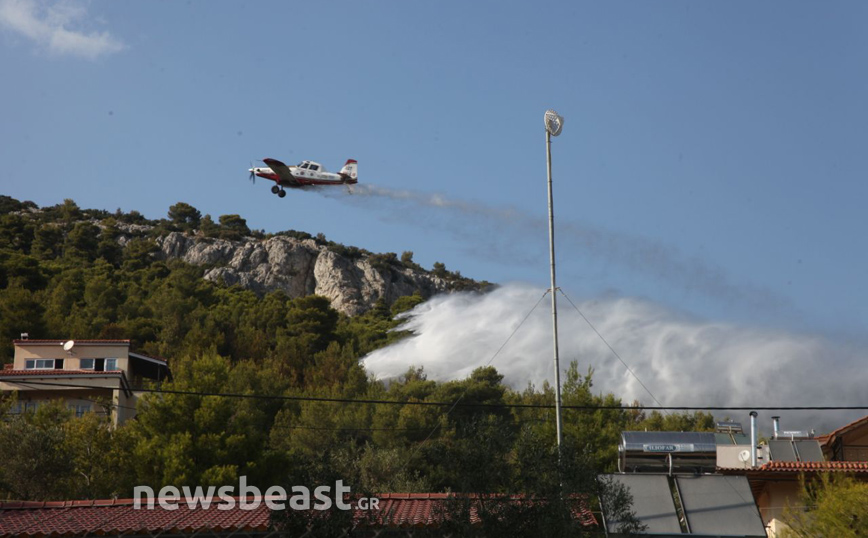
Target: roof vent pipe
776,422
753,438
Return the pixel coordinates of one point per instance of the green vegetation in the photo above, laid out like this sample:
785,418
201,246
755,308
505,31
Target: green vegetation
832,505
64,274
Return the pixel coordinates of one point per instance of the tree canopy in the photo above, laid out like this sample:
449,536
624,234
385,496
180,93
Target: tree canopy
67,272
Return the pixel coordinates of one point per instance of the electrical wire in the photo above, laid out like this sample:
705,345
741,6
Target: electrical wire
475,404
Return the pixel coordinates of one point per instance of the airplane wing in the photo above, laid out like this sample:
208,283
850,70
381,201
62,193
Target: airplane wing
282,171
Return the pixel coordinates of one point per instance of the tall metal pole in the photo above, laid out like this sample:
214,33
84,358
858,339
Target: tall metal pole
554,293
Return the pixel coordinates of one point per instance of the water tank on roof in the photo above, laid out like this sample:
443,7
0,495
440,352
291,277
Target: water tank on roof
667,451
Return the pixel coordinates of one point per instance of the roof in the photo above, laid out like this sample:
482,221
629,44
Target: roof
74,518
814,466
14,376
137,355
424,509
79,518
828,439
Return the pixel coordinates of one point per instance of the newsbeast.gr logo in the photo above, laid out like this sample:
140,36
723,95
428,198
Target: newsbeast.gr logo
249,497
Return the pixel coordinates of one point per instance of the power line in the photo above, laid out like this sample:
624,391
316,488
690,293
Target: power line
473,404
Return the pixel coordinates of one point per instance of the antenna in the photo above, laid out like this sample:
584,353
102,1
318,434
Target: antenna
68,345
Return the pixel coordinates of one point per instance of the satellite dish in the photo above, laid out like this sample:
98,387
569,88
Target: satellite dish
554,122
744,456
68,345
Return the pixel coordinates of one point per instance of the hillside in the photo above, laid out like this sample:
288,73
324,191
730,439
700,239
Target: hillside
296,263
184,283
267,381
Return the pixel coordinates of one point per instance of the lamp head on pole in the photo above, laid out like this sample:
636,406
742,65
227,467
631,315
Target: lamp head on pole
554,122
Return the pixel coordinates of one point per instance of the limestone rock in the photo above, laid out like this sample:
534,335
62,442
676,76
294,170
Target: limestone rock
299,268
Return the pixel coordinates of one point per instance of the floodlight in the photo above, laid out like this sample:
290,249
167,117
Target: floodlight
554,122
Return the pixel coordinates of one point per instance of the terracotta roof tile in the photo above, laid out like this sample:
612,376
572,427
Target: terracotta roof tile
78,518
801,467
816,466
74,518
844,429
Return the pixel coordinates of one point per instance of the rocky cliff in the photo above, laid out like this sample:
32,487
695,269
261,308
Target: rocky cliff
299,268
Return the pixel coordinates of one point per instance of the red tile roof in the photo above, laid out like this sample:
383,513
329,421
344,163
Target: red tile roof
410,509
77,518
826,439
783,467
816,466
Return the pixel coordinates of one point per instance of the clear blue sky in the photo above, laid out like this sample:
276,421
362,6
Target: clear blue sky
727,137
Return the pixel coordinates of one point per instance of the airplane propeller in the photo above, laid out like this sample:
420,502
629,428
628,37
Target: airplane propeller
252,175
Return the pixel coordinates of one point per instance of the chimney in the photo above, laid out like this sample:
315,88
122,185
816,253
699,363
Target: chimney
753,438
25,336
776,423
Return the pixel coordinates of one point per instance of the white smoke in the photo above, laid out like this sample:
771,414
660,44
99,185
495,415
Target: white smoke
682,360
511,235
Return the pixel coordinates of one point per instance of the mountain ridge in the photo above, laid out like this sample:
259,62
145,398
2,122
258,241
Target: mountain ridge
296,263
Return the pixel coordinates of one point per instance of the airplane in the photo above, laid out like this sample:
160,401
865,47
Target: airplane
304,174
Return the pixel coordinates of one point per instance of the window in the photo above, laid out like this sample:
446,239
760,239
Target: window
80,409
314,167
30,406
111,364
43,364
86,364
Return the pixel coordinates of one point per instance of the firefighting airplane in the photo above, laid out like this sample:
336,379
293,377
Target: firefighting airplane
305,174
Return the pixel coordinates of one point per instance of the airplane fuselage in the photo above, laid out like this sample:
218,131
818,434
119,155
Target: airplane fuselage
305,174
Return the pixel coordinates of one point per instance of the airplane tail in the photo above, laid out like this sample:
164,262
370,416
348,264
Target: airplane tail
350,171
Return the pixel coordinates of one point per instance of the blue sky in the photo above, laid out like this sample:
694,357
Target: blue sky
704,142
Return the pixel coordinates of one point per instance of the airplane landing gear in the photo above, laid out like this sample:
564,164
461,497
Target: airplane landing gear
281,193
275,189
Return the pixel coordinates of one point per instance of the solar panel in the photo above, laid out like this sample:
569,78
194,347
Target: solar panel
720,505
741,438
782,450
652,502
809,451
723,439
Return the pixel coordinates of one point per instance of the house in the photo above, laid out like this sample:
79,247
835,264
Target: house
102,376
672,480
847,443
793,456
